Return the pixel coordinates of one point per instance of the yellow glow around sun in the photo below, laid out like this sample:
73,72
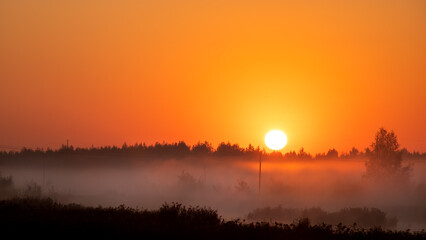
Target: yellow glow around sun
275,139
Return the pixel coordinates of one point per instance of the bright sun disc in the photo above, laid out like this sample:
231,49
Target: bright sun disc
275,140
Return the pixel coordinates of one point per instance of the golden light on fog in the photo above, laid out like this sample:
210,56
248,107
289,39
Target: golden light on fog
275,139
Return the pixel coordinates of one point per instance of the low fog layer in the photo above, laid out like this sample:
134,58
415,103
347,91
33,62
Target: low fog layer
229,185
356,187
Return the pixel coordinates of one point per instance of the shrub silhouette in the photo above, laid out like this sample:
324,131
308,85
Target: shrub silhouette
48,219
32,190
188,182
242,186
7,187
363,217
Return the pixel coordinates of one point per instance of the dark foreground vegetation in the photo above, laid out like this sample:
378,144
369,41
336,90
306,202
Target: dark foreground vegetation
45,218
362,217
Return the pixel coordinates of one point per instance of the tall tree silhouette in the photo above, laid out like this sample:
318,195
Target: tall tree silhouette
384,159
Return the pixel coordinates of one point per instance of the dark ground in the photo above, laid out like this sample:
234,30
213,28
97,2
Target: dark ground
45,218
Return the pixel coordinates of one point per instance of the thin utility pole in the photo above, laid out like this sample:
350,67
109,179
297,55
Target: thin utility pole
260,169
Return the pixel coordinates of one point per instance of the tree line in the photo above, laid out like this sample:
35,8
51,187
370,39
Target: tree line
181,149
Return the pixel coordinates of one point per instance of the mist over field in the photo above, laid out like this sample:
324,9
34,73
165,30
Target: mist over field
228,184
213,119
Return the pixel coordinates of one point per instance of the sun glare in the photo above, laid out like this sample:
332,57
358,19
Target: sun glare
275,140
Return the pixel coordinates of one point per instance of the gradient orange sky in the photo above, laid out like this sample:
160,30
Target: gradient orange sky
327,73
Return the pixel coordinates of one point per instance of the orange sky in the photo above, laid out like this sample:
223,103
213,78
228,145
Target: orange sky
327,73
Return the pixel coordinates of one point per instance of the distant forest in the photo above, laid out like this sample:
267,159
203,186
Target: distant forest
201,149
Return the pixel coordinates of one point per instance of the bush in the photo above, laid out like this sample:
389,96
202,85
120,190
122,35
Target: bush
45,218
7,188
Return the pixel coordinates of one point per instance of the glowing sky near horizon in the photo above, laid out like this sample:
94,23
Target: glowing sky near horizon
327,73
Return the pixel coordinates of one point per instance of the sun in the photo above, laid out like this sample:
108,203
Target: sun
275,139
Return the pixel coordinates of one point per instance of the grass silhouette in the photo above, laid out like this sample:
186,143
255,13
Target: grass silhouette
35,217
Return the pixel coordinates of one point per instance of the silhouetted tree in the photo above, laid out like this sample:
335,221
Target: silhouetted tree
143,152
124,147
250,149
332,153
252,152
320,156
202,148
303,155
354,152
384,159
226,149
367,152
290,155
182,149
